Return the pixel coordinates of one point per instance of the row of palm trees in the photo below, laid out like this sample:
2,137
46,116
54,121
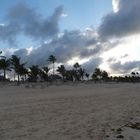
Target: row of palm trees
10,64
131,78
77,73
14,63
35,72
99,75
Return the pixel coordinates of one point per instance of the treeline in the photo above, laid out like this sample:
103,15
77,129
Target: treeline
76,73
35,73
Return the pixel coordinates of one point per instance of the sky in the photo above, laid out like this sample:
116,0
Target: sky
96,33
81,13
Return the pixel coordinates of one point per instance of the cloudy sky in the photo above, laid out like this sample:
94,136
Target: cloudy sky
96,33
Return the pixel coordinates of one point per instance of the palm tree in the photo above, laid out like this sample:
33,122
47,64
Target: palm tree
52,59
76,71
97,75
23,72
4,65
105,76
133,73
87,76
76,65
61,69
81,73
70,75
17,66
34,72
98,72
44,73
46,70
14,61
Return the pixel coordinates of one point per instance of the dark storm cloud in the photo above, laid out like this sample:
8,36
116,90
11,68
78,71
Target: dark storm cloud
23,19
8,32
122,23
22,53
126,67
114,59
83,44
92,64
65,47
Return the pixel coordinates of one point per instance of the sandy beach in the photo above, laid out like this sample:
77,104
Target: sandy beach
70,112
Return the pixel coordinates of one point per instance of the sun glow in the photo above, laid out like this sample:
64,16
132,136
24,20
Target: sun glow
130,46
128,50
29,50
77,59
115,4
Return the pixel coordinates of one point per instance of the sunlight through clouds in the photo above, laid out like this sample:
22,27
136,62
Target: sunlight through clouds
125,52
115,4
36,36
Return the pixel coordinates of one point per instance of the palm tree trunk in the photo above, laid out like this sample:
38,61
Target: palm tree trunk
63,77
25,77
53,69
14,75
4,74
18,78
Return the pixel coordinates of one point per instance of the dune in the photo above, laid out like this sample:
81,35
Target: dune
83,111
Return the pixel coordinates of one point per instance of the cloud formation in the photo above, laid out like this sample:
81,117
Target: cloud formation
126,67
123,22
25,20
65,47
8,32
93,63
21,19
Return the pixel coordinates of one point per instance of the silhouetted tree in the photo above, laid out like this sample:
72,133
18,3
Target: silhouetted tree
77,71
96,76
52,59
17,66
133,73
81,73
34,73
87,76
70,75
23,72
4,65
61,69
104,75
137,73
44,73
76,66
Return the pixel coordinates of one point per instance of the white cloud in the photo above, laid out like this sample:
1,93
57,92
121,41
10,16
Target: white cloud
115,4
64,15
124,22
89,47
2,24
22,19
126,67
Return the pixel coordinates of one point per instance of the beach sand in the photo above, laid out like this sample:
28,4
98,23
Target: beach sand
85,111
